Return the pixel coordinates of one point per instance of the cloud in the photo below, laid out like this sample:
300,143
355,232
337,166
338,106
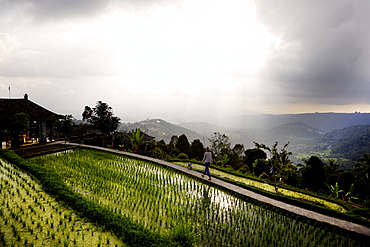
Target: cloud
323,49
185,57
53,60
40,11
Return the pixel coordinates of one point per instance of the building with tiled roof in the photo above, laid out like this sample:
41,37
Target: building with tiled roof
41,119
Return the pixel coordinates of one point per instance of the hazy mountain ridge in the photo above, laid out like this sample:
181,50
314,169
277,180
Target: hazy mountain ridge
346,133
295,133
161,130
349,142
325,122
297,129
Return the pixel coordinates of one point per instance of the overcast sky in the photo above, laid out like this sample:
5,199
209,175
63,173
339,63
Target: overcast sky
187,59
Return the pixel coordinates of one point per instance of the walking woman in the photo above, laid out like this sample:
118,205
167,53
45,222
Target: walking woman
207,159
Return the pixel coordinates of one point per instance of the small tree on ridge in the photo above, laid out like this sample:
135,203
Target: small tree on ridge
101,118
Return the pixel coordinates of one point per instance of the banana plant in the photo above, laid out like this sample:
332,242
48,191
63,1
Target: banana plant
136,139
255,163
334,190
349,195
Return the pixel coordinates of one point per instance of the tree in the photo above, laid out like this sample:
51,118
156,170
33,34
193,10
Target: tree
65,126
236,157
278,160
344,178
251,155
173,141
289,174
172,150
224,159
160,150
219,145
101,118
362,172
136,139
362,167
332,167
196,149
277,157
183,144
313,174
20,124
259,167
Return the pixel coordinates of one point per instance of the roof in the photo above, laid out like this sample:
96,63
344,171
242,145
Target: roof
9,107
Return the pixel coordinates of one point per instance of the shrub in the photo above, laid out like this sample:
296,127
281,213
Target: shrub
182,156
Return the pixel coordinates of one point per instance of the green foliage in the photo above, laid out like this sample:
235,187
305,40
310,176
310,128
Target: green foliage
20,123
351,142
136,139
28,210
171,147
183,234
354,215
334,190
253,155
65,126
183,144
131,233
174,140
222,211
182,156
313,174
160,150
236,156
244,169
219,144
277,157
362,172
362,167
101,117
350,194
224,159
196,149
175,196
279,162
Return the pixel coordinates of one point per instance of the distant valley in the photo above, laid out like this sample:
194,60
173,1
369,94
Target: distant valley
307,133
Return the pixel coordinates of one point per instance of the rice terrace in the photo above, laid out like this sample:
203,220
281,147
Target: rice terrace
86,197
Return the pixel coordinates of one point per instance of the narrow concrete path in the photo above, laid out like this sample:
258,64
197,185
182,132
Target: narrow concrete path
294,209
